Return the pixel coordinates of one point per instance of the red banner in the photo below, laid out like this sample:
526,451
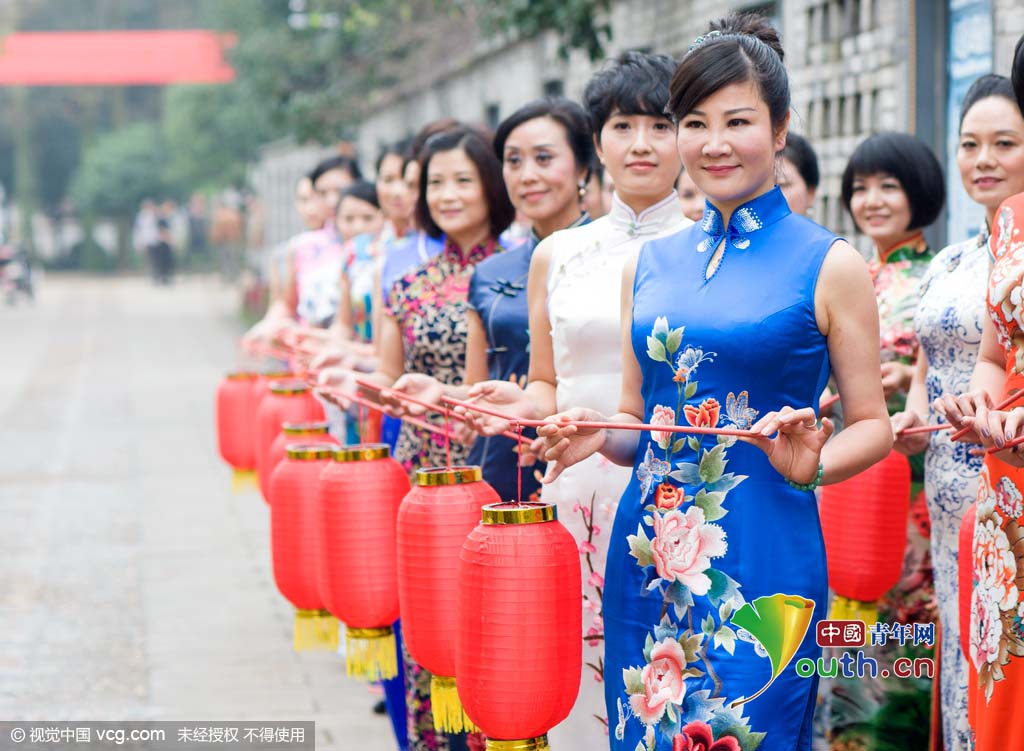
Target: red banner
114,58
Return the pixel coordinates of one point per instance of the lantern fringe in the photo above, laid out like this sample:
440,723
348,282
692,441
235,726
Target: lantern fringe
845,609
315,630
370,653
449,715
243,479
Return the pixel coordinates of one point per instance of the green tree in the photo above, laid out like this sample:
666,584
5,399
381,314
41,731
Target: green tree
580,24
118,171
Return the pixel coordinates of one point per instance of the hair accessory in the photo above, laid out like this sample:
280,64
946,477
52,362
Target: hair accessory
699,41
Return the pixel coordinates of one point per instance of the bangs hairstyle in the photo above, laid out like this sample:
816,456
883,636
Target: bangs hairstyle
736,49
986,86
910,161
634,83
362,190
344,163
479,151
399,149
1017,73
799,151
563,111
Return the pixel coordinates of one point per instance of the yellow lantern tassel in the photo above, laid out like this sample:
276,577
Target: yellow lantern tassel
315,630
243,480
449,715
370,653
845,609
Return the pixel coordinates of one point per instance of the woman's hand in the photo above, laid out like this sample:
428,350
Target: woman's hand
417,385
896,378
795,451
908,445
1002,427
969,412
334,383
501,396
566,445
329,357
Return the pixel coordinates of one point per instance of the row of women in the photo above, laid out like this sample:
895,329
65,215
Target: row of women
487,270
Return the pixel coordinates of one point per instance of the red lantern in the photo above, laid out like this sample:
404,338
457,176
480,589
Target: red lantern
294,432
286,401
864,522
236,421
965,579
519,650
293,536
439,512
357,510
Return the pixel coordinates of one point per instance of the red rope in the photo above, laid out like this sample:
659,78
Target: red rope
604,425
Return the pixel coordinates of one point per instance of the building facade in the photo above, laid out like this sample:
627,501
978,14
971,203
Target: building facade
856,67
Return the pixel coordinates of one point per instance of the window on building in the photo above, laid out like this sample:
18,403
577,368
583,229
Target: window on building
842,129
851,17
554,87
858,106
492,115
826,118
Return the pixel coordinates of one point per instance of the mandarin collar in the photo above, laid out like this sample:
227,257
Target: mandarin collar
751,216
477,253
905,249
652,220
534,239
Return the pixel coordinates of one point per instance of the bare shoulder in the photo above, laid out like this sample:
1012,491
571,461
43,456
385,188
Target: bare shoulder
842,262
541,258
844,287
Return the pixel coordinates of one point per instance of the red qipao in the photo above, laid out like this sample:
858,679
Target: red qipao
434,520
285,401
294,432
864,522
293,537
357,510
965,580
518,652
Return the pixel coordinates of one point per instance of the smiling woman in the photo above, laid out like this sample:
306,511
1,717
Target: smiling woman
731,322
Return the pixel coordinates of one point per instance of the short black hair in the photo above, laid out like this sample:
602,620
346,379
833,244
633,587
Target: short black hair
566,113
909,160
363,190
735,49
478,148
1017,73
634,83
398,148
799,151
424,134
344,163
986,86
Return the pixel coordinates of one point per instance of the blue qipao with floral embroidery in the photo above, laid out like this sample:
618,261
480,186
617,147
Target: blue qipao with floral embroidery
716,572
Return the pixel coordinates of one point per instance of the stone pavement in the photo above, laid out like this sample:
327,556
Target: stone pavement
133,584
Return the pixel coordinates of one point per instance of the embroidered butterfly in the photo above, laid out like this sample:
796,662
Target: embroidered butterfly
650,471
737,411
743,635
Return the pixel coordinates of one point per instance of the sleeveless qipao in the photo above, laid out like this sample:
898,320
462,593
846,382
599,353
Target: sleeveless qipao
711,547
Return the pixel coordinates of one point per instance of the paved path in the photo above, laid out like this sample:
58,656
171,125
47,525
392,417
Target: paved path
133,584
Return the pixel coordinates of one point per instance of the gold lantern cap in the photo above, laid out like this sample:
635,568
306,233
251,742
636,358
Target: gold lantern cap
429,477
277,374
306,452
242,375
304,428
362,452
289,388
519,513
526,744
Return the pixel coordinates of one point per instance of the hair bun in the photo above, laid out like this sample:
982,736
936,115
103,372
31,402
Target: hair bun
750,24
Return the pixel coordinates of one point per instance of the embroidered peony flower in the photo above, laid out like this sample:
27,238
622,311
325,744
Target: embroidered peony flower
698,736
683,547
667,496
986,630
662,416
704,416
663,682
1008,498
995,567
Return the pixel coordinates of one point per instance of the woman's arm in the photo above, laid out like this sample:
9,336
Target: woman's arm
847,314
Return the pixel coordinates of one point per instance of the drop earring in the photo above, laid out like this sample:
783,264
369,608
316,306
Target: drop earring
583,190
